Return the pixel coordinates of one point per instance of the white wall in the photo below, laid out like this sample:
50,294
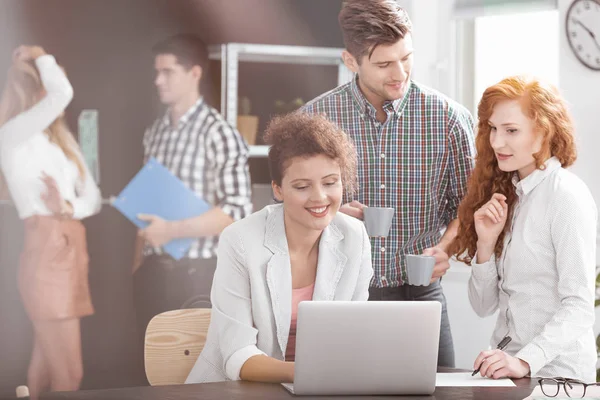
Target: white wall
471,334
433,33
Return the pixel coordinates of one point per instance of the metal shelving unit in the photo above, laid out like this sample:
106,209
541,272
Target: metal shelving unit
231,54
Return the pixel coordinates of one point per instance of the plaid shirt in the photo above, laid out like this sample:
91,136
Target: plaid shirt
210,157
417,162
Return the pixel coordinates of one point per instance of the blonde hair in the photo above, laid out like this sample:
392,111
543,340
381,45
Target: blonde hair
21,92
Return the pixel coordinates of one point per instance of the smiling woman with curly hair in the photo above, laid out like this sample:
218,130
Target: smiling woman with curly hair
288,252
528,226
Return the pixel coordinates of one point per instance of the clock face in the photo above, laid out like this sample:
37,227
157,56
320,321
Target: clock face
583,31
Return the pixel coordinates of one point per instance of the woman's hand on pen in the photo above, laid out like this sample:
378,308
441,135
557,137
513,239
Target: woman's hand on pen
497,364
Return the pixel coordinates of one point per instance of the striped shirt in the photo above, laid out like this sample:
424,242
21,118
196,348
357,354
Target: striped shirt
210,157
417,162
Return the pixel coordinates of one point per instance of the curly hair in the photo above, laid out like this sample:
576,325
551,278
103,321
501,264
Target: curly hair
299,134
544,105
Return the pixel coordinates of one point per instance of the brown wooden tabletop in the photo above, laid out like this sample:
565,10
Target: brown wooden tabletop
249,390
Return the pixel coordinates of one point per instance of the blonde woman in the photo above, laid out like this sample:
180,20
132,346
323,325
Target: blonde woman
52,190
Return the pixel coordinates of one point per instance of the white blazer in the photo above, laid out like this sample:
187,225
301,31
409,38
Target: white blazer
252,288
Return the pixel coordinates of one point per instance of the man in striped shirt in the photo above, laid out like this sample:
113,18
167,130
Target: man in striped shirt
415,151
210,157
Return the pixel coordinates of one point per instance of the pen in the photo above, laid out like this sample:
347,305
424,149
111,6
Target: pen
503,343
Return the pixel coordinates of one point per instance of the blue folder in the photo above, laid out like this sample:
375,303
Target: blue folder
155,190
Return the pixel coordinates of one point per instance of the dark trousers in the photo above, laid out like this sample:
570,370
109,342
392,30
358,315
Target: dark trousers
162,284
421,293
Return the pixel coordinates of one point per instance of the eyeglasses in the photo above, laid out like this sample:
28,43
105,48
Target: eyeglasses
572,387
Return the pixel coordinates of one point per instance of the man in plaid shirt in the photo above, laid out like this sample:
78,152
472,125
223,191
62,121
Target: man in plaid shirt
210,157
415,151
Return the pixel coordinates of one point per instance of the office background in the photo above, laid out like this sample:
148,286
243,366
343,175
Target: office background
105,47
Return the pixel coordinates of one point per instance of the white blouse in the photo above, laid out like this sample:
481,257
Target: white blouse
26,152
544,283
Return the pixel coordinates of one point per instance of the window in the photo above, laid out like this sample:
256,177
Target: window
492,47
515,44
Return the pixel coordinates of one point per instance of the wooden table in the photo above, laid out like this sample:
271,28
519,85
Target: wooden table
263,391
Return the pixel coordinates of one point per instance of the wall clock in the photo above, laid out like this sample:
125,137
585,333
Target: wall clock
583,31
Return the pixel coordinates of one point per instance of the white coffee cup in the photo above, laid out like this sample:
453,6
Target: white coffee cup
419,269
378,220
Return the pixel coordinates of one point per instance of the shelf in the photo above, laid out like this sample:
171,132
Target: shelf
280,54
231,54
259,151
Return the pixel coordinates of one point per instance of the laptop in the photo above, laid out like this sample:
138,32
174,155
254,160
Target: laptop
366,348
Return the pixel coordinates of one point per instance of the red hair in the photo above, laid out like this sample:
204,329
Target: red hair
543,104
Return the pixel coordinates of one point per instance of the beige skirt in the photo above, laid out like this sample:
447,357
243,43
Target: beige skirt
53,273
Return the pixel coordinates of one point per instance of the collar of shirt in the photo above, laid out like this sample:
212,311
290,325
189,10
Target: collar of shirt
390,107
525,186
183,120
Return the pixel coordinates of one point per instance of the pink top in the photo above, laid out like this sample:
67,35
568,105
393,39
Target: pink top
298,295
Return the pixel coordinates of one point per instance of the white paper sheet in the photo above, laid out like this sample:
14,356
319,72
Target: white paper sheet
465,379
